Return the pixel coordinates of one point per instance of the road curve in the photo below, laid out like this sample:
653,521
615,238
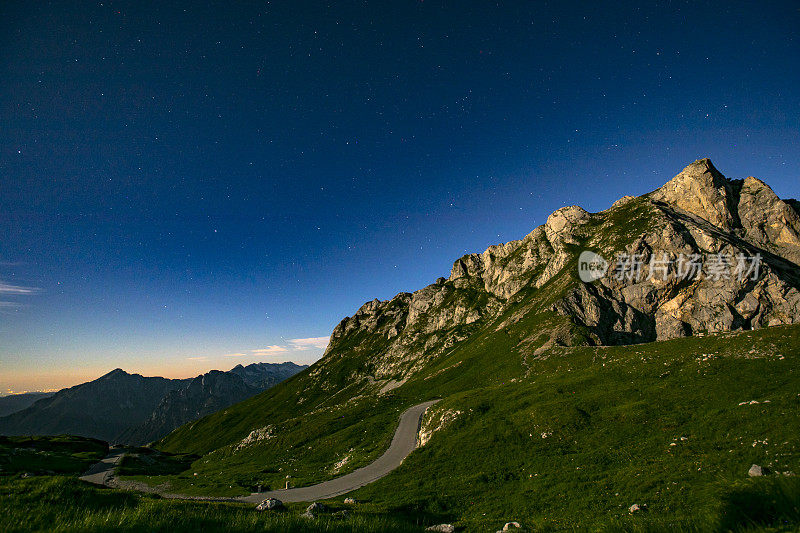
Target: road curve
403,443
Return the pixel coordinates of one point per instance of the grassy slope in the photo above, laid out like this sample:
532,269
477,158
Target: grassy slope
590,431
609,415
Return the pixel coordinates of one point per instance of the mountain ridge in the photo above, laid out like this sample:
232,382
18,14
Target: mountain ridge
134,409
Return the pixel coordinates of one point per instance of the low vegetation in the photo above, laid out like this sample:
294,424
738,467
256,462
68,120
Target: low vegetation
567,440
64,504
48,455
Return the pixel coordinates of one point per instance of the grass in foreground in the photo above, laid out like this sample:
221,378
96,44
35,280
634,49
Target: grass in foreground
64,504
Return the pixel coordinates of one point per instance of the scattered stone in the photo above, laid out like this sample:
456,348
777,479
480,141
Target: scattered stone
26,475
315,507
349,501
510,525
637,508
757,471
441,528
269,504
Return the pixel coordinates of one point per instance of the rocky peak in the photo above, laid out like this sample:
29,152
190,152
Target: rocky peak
701,190
115,374
697,213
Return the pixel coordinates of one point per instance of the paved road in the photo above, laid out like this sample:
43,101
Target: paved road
101,472
403,443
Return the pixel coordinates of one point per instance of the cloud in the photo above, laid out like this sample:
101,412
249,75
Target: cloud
6,288
310,342
199,358
269,350
233,355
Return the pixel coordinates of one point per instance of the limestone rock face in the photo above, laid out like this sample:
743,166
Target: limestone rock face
768,221
699,216
700,189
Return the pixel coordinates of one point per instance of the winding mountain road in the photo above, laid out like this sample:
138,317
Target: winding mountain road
403,443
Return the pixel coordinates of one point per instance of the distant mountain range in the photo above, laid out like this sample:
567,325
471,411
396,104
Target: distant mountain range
17,402
133,409
207,394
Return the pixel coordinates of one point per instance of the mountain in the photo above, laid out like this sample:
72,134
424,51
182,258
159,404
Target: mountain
206,394
17,402
265,375
130,408
697,212
554,395
100,409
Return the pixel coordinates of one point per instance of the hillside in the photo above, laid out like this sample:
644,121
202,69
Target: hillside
556,402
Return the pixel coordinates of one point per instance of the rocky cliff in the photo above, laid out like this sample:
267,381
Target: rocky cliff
700,254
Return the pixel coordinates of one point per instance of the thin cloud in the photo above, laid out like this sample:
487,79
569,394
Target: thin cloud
309,342
6,288
269,350
200,358
233,355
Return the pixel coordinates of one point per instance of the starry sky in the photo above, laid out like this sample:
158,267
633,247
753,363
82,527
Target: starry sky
193,185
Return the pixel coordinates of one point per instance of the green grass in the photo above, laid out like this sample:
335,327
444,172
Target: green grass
150,462
59,454
63,504
610,417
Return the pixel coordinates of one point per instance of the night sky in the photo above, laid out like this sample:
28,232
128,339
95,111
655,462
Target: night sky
183,184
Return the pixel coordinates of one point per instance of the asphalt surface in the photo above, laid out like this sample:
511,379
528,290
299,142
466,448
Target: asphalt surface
403,443
100,473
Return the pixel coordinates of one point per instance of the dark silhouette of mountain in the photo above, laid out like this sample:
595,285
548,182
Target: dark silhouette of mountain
265,375
130,408
207,394
18,402
100,409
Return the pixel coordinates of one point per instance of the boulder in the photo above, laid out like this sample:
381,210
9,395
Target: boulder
441,528
511,525
269,504
757,471
313,509
637,508
349,501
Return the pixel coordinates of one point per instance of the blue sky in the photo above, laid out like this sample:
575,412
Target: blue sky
181,183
